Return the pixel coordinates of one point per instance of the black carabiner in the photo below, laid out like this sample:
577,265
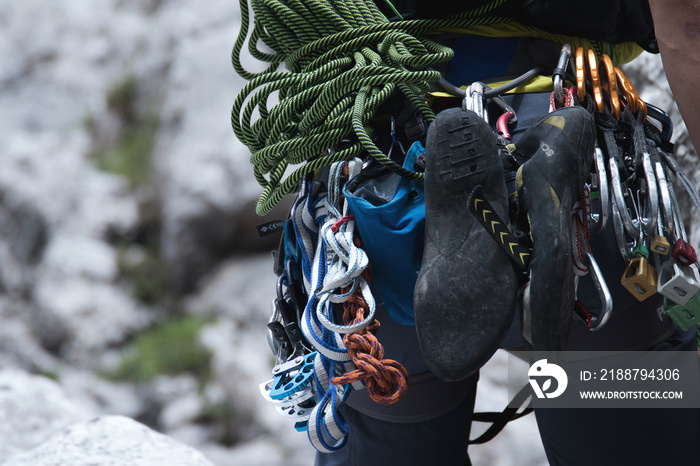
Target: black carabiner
662,117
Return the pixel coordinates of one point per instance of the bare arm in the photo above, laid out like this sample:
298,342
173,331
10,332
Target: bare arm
677,25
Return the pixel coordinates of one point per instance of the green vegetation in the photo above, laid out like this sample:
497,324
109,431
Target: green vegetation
221,415
49,374
130,155
168,348
121,98
149,275
123,142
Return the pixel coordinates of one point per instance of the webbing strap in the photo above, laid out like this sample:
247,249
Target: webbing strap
330,262
500,420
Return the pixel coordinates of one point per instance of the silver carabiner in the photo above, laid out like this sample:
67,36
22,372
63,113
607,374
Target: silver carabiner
603,293
559,73
665,195
649,222
616,213
601,219
678,224
474,100
631,227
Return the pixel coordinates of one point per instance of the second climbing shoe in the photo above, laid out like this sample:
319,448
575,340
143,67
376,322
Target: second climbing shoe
560,150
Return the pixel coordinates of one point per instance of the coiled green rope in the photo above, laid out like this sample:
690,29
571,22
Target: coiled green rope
343,60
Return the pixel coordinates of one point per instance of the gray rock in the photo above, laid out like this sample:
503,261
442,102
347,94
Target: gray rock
32,409
56,208
241,288
22,342
204,180
110,441
53,241
23,236
104,396
240,293
78,285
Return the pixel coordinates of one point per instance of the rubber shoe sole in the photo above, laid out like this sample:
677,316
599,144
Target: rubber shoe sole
465,295
560,149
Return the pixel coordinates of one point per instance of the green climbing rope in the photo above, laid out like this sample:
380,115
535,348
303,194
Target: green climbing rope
342,60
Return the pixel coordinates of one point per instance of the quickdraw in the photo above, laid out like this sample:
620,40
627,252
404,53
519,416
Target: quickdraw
316,372
632,165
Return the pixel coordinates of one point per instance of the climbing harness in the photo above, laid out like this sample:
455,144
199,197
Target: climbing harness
342,97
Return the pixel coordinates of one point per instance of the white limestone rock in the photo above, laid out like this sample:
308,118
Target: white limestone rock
32,409
110,441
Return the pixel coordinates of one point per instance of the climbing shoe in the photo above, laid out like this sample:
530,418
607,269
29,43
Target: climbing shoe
465,295
560,151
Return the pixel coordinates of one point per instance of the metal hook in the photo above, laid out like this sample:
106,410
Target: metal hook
624,247
678,224
580,75
652,211
509,116
603,293
608,72
559,73
618,206
664,194
630,93
601,219
595,80
507,109
662,117
631,227
474,100
502,124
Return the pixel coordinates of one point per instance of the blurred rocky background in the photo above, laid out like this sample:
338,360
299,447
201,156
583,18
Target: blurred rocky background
134,290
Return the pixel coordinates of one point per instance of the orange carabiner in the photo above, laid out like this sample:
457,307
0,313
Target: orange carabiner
642,106
595,80
608,77
580,75
630,93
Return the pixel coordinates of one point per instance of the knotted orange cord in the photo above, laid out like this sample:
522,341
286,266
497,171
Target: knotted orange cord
386,380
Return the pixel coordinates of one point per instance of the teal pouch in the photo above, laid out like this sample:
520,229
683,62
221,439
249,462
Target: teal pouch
389,213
